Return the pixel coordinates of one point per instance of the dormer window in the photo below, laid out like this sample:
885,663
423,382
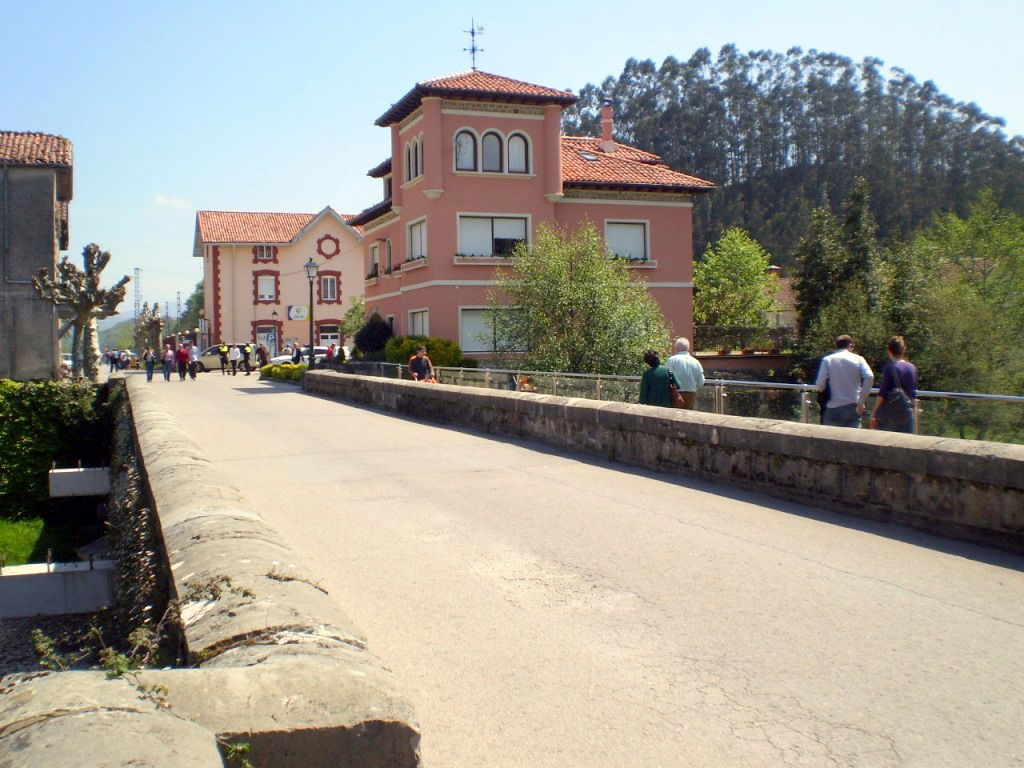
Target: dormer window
492,160
465,151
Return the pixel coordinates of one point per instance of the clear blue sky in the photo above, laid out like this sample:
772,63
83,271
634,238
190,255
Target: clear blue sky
179,106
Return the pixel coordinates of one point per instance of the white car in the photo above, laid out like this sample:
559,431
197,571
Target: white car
319,353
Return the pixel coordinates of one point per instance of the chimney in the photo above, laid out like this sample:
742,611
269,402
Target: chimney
607,144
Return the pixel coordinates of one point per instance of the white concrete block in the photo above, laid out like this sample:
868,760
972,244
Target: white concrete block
41,590
79,482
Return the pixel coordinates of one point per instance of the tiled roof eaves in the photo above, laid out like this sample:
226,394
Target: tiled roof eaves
411,100
638,187
380,170
371,213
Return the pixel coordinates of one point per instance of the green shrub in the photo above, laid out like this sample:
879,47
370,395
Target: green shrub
440,351
283,371
43,422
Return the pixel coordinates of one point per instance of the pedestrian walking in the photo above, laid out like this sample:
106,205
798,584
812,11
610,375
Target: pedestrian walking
168,361
181,358
263,355
894,406
222,351
149,358
657,382
688,372
247,358
848,378
234,356
193,360
420,366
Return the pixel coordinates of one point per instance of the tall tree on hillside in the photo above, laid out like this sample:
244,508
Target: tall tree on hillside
565,305
860,244
819,264
782,133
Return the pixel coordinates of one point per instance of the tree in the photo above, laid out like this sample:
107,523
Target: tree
371,338
732,283
566,305
354,317
80,302
818,266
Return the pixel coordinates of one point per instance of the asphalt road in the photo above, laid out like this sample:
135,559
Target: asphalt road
542,609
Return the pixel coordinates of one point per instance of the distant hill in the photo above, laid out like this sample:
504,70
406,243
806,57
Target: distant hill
784,133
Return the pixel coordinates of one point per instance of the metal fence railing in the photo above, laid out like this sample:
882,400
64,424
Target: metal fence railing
950,414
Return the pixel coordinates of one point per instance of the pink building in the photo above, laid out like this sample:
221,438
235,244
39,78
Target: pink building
255,288
477,162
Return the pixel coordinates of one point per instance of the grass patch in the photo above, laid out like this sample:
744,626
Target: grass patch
18,538
26,540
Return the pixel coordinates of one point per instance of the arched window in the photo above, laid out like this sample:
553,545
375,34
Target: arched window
465,151
419,156
408,162
492,152
387,264
416,159
518,154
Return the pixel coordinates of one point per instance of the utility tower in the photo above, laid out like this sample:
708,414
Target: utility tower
138,294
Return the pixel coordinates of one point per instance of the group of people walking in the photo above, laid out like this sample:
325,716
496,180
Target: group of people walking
845,380
844,383
184,359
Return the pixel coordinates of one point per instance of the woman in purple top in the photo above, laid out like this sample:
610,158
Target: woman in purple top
898,374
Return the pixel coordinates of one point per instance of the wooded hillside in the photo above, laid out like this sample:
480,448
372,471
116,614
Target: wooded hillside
783,133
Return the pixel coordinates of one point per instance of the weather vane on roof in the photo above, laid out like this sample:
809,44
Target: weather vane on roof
473,31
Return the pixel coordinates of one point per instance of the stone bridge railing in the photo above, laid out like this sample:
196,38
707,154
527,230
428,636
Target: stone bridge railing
277,665
964,489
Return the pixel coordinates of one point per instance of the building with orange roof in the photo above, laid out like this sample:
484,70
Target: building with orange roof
477,162
35,190
254,285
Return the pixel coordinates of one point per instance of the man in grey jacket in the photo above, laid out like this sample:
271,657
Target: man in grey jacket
849,379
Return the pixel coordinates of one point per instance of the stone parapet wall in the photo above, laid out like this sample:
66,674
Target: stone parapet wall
965,489
278,665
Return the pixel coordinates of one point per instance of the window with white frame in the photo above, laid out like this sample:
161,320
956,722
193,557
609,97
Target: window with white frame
417,240
518,154
477,332
328,288
492,152
374,260
490,235
419,322
266,287
263,252
626,239
465,151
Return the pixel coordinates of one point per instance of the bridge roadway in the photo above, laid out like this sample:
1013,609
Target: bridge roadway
542,609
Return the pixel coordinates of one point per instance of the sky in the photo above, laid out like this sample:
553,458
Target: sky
263,105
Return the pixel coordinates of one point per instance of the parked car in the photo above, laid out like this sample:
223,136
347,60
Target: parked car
209,360
319,354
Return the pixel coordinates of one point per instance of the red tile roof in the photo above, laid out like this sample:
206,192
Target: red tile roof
40,149
241,227
34,149
473,84
585,164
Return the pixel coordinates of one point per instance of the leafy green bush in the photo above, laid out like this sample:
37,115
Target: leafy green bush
283,371
45,422
440,351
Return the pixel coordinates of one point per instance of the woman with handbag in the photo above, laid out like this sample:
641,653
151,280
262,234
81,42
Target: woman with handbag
658,385
894,406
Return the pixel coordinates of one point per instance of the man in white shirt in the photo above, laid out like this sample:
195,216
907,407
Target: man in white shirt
849,379
687,370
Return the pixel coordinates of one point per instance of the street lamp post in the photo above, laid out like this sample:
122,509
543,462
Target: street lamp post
277,336
311,268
